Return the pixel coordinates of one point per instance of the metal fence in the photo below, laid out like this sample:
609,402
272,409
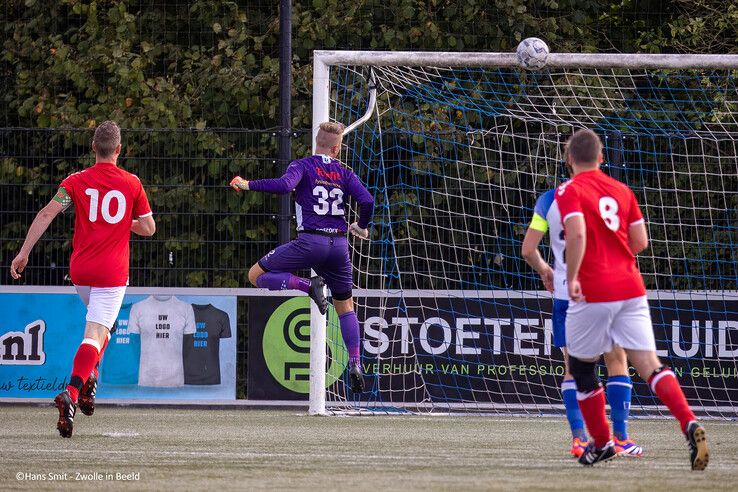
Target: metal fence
207,234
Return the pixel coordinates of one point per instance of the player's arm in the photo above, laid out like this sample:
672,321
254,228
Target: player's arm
576,242
637,233
39,225
637,237
279,186
531,254
144,226
365,201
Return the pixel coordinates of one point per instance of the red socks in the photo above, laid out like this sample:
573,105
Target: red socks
664,383
99,358
88,355
592,406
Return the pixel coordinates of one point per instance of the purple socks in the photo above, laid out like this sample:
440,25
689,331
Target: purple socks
283,281
350,333
349,322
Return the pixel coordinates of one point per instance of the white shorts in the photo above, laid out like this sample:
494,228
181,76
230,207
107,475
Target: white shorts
592,328
103,303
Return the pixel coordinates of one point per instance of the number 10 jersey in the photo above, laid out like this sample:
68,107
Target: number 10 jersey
106,200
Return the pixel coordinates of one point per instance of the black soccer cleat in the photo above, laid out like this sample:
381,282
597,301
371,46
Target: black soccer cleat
317,293
356,378
67,409
86,400
593,455
699,454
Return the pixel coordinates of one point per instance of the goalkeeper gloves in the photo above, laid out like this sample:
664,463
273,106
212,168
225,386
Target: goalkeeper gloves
357,231
239,184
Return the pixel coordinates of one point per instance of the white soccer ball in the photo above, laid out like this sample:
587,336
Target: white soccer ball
532,53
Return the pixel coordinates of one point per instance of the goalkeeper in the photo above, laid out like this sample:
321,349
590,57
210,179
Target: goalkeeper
321,185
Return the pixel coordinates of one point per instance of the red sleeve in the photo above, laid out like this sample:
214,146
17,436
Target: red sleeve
634,214
141,207
567,197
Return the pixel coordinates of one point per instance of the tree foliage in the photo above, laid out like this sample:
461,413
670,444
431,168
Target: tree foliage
198,65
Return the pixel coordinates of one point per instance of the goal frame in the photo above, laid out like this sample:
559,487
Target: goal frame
323,60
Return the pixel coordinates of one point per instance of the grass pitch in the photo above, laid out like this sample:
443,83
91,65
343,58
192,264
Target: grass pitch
283,450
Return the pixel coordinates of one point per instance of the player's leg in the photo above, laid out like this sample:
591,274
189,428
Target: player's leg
84,294
103,306
568,385
273,271
587,338
85,359
338,274
579,439
632,330
619,389
350,332
103,309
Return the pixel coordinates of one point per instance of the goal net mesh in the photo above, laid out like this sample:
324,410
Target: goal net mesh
452,318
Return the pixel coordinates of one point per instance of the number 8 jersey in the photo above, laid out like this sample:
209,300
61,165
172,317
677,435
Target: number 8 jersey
608,271
321,184
106,200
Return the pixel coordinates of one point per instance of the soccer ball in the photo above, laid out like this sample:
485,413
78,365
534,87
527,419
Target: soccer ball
532,53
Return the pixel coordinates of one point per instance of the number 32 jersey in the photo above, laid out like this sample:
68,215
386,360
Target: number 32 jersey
106,200
321,186
608,271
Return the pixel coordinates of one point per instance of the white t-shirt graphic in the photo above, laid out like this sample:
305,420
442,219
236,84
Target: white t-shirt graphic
162,322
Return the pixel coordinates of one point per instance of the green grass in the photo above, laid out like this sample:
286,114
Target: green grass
280,450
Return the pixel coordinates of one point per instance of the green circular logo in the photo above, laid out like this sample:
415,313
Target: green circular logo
286,345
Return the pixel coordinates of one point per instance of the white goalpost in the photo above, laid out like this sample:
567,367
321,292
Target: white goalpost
456,147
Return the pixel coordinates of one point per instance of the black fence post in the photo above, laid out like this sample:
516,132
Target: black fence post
284,141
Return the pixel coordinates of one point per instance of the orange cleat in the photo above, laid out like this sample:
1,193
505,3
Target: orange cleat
577,447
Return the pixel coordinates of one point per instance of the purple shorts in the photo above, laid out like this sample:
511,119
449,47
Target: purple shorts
328,256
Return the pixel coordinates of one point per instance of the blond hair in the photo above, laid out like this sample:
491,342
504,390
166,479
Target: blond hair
329,134
584,148
107,138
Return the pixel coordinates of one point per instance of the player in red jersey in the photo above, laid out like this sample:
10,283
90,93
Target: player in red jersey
604,229
109,204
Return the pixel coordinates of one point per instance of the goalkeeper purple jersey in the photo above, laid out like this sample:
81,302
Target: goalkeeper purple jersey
322,185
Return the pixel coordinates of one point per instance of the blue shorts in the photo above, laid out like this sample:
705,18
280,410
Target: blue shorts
559,322
327,255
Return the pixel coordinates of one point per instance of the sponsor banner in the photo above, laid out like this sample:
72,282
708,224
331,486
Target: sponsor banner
492,349
279,348
162,347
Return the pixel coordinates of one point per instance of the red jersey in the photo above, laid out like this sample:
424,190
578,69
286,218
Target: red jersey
608,271
106,200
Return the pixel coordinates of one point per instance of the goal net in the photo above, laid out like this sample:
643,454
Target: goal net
456,148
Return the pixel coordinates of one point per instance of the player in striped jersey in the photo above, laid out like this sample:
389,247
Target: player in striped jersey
546,218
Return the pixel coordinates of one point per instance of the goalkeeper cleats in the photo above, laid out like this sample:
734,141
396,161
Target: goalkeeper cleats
317,293
67,409
627,447
699,454
86,399
577,447
594,455
356,378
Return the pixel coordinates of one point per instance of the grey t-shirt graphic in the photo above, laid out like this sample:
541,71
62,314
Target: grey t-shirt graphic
162,322
201,351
